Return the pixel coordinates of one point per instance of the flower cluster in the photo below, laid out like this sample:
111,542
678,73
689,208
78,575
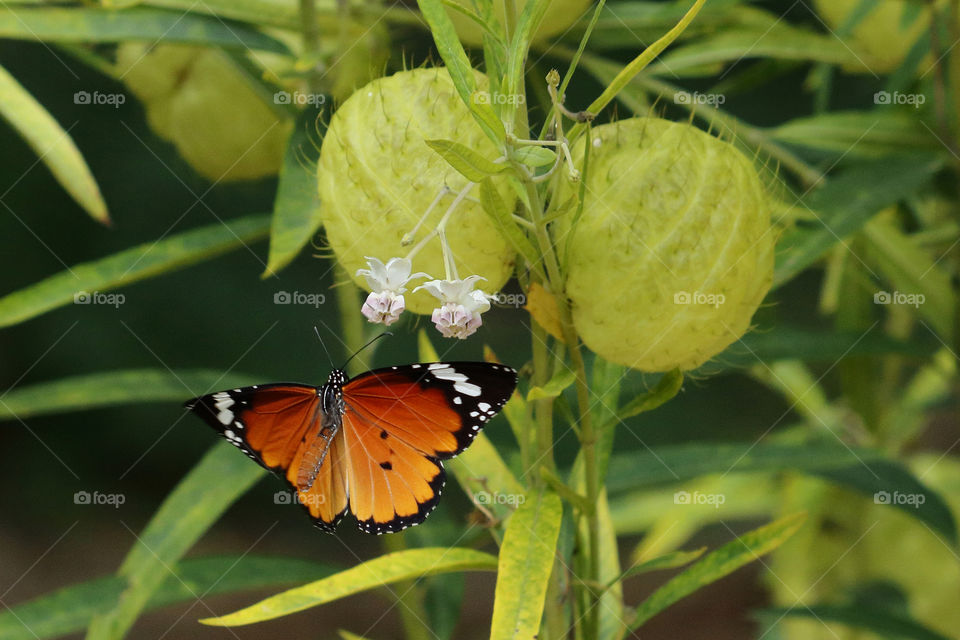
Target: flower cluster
458,315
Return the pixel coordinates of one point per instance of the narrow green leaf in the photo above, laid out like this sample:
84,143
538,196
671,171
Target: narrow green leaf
670,560
468,162
866,471
637,65
562,378
845,203
483,111
783,42
884,623
667,387
530,18
455,58
129,266
719,563
70,609
88,24
575,499
526,561
917,277
502,216
534,156
129,386
857,133
52,144
197,502
296,209
348,635
379,572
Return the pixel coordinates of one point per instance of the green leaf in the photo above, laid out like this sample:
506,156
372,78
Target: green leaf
85,25
667,387
455,58
877,620
912,272
296,210
379,572
502,217
718,564
637,65
526,562
562,378
534,156
670,560
866,471
52,144
129,386
781,43
279,13
529,21
468,162
857,133
70,609
197,502
131,265
793,343
845,203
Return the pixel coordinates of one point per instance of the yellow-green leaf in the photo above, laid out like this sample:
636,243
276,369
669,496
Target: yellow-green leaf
719,563
535,156
52,144
143,261
562,378
379,572
469,163
526,561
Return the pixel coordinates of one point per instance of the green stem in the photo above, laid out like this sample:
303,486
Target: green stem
410,596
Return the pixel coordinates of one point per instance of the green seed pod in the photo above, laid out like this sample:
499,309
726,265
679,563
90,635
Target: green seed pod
674,249
198,100
377,177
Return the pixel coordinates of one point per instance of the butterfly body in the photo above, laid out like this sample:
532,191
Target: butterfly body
372,445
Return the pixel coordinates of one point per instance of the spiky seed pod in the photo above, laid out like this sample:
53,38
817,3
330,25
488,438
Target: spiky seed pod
377,177
674,249
197,99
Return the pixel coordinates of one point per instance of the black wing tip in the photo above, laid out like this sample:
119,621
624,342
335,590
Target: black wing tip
400,523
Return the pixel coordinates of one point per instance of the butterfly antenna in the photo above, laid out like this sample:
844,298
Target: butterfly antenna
323,344
370,342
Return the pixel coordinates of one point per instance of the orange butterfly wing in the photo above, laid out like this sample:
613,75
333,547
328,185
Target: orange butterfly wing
276,425
400,422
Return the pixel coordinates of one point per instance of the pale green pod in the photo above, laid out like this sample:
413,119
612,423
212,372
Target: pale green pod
674,250
377,177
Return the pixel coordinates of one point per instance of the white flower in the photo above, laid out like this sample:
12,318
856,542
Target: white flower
387,284
458,315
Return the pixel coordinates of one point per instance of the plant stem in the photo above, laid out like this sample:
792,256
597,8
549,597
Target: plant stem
310,33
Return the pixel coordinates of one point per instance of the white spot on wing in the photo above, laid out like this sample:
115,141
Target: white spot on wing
483,406
467,388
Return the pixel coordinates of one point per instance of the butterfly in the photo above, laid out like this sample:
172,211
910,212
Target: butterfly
373,445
